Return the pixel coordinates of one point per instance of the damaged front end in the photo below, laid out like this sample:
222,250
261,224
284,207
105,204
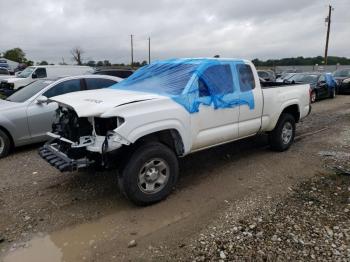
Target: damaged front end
78,142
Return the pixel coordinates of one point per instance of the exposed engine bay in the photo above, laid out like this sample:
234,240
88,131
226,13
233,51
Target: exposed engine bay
70,126
80,141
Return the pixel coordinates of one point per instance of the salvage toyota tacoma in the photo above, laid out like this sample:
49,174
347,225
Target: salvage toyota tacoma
167,110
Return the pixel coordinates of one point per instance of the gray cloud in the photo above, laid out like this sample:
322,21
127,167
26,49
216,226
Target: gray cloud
48,29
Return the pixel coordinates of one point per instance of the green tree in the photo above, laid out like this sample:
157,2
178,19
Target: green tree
99,63
15,54
91,63
43,63
106,63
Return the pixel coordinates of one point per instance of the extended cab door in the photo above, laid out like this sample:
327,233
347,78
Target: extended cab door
250,111
211,126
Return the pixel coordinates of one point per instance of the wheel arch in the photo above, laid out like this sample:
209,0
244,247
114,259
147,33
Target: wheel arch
293,110
170,137
2,128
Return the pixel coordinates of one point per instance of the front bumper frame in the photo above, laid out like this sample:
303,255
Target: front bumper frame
60,160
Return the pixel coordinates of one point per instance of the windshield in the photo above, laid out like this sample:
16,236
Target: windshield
287,76
26,72
162,78
29,91
309,79
342,73
296,77
304,78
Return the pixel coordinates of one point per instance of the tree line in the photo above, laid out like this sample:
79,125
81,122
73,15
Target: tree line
300,60
18,55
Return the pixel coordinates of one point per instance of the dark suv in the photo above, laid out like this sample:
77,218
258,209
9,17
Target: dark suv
122,73
342,76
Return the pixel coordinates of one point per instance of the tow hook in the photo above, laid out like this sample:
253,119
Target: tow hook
105,148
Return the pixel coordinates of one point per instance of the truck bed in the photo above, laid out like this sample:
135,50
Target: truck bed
265,85
278,96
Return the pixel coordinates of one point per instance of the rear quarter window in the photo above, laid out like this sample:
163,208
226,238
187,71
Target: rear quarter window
245,77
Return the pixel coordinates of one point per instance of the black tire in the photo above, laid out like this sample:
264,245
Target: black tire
313,96
277,139
5,144
332,93
129,181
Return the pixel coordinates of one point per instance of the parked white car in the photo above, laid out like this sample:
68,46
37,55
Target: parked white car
166,110
31,73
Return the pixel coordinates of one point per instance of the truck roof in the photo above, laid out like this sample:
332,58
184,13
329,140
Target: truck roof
200,60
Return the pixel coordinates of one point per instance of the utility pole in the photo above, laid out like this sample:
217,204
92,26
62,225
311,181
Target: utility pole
132,50
328,21
149,50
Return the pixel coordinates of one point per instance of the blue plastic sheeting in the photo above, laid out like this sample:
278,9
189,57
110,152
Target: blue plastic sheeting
331,83
192,82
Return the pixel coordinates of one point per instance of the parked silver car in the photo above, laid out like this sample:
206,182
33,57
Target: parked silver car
25,117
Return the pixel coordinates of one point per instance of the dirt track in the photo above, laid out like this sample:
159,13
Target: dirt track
86,218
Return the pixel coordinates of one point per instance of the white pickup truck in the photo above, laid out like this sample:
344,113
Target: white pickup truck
166,110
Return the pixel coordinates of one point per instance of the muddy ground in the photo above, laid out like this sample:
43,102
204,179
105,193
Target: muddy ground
83,217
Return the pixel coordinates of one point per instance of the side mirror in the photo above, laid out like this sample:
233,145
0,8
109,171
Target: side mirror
322,83
41,100
34,76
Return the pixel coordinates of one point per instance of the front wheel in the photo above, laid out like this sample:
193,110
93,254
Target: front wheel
5,144
150,174
282,137
332,93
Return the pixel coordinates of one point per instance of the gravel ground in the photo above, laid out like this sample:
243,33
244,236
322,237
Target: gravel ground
312,222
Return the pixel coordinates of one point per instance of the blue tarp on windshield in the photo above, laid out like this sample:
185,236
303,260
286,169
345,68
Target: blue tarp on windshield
192,82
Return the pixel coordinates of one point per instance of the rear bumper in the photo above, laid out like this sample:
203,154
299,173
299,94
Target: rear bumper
310,108
60,160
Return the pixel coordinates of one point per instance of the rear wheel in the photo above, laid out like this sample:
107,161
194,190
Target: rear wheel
282,137
5,144
150,174
313,96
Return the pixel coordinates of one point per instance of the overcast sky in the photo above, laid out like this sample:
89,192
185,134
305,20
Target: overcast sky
49,29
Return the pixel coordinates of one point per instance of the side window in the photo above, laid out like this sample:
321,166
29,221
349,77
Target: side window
41,72
216,80
203,88
97,83
246,77
63,88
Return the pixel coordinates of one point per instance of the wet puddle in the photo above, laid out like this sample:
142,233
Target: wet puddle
80,242
39,250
